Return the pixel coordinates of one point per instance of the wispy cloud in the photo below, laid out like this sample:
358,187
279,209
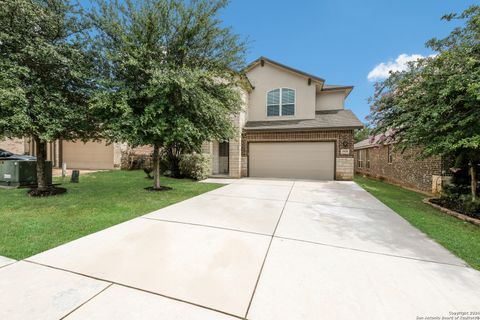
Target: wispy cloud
382,70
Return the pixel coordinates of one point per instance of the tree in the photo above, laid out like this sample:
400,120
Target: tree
362,134
46,71
435,103
173,79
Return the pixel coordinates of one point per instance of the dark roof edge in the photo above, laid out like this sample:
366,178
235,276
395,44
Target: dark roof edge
253,63
302,129
337,88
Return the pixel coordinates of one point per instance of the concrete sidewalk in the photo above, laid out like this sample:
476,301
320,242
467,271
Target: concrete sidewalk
255,249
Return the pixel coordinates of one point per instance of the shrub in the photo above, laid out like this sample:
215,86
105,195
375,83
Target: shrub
165,164
195,165
458,198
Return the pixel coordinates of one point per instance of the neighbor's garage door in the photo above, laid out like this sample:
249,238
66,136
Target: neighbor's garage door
301,160
90,155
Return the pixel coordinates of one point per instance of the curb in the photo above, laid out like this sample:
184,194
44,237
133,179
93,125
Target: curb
451,212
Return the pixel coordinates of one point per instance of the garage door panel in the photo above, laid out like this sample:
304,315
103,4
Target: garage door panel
90,155
300,160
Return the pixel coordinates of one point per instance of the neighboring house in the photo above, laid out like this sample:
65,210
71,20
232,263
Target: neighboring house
293,125
16,146
381,161
90,155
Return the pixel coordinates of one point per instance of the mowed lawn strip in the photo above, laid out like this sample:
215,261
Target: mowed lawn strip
32,225
461,238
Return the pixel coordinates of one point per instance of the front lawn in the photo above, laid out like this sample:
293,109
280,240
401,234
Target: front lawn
461,238
32,225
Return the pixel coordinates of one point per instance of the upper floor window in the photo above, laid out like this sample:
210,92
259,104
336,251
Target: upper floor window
281,102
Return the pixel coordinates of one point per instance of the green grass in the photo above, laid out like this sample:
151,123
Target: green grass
461,238
32,225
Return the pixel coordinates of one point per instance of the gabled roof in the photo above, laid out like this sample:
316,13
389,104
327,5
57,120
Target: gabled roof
322,85
278,64
331,119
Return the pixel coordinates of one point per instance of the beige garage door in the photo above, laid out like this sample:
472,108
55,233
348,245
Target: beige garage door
301,160
90,155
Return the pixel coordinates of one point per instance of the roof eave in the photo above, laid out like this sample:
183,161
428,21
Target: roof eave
302,128
347,89
278,64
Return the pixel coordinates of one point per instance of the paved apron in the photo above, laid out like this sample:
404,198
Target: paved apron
261,249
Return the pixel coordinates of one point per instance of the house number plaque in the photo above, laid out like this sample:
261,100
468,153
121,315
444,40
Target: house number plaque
344,152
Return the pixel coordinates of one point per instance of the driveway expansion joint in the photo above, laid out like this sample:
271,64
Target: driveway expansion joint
374,252
8,264
207,226
386,209
133,288
268,249
85,302
253,198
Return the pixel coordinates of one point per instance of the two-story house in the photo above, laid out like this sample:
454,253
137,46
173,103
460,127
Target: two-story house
293,125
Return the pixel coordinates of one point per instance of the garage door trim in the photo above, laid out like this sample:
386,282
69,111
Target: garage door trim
290,141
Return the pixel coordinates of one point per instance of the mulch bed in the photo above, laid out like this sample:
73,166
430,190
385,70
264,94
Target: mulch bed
434,202
152,189
50,191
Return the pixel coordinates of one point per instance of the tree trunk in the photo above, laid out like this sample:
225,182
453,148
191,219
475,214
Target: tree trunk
473,180
156,166
41,150
174,157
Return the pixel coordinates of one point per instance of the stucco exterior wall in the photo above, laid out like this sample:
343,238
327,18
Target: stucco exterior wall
330,100
16,145
269,77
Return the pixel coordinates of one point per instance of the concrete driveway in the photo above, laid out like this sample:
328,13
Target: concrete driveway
257,249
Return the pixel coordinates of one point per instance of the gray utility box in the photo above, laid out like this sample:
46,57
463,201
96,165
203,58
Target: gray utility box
15,173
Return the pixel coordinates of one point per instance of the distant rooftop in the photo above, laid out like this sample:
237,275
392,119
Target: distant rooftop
371,141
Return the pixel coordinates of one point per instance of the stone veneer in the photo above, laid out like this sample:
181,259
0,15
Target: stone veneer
344,163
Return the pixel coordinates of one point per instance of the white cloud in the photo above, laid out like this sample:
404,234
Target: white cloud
382,70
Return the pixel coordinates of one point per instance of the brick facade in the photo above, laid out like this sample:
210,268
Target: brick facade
344,160
405,168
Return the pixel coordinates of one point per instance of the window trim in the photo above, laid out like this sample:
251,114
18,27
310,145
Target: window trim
280,112
360,158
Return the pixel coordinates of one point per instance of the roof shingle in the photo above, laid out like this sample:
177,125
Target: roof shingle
342,118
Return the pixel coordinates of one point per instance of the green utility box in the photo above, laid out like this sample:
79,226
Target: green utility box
16,173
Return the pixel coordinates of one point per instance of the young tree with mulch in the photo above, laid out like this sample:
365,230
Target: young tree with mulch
436,102
173,81
46,72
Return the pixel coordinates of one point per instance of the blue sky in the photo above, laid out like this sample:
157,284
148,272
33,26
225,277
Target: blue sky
341,41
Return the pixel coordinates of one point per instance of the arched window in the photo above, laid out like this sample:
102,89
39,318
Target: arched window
280,102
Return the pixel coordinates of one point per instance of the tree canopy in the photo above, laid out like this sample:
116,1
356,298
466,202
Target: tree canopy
362,134
172,79
47,70
435,103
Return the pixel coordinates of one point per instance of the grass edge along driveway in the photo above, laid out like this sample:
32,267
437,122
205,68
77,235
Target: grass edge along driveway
102,199
459,237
